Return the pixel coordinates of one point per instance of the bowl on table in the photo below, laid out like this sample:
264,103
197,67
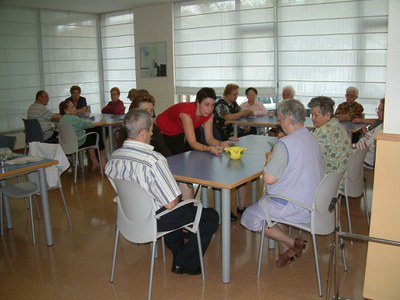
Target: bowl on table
235,152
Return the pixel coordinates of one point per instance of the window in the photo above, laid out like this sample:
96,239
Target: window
319,47
118,50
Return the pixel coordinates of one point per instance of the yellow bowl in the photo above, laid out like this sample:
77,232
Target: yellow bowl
235,152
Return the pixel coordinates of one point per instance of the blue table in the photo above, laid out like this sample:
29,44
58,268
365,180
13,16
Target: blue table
18,169
223,174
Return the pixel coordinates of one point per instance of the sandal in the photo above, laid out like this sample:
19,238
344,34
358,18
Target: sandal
299,246
286,258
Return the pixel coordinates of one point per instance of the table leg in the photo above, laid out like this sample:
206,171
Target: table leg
46,209
6,205
104,135
226,236
111,139
235,130
253,191
204,196
217,202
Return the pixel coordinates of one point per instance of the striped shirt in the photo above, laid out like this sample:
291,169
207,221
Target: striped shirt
137,161
43,115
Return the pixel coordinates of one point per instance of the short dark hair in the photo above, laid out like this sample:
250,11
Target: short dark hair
39,93
324,103
140,97
251,89
204,93
63,105
75,88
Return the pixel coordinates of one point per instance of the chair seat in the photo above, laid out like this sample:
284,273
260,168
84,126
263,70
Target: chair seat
20,190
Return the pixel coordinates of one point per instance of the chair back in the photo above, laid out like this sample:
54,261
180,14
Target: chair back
67,138
33,131
7,142
322,220
49,151
135,213
354,175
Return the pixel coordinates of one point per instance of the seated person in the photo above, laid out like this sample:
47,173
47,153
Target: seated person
39,111
68,115
288,92
350,110
79,101
136,161
227,109
115,106
369,140
253,104
332,137
294,170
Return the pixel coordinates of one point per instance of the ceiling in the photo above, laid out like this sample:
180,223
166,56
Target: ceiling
88,6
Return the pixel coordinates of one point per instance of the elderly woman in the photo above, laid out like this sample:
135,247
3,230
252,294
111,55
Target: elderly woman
253,104
115,106
288,92
369,140
293,170
81,126
79,101
332,137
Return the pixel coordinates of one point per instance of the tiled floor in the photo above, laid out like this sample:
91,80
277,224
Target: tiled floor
78,265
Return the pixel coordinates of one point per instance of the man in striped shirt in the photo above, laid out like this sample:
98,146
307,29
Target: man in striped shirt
136,161
39,110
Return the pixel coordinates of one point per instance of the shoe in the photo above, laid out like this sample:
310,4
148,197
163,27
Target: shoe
233,217
286,258
179,270
299,246
240,211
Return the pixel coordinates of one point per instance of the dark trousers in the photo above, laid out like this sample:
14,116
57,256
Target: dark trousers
186,253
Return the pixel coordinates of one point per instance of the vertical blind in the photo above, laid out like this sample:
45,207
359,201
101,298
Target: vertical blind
118,49
322,46
52,50
69,54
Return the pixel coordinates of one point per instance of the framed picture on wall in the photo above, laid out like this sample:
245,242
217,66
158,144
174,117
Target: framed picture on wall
153,59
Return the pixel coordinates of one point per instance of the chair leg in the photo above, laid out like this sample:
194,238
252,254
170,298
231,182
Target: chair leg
76,166
32,223
348,217
101,166
203,275
64,203
153,254
317,265
163,249
1,214
37,208
114,255
261,248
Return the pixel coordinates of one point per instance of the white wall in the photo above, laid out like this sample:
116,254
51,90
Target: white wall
156,24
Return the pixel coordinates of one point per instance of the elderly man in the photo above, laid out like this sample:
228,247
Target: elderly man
293,170
136,161
39,110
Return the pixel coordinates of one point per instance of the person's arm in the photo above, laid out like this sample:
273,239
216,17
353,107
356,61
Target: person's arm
82,110
364,121
107,109
190,135
173,203
276,164
82,106
55,117
119,108
358,112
